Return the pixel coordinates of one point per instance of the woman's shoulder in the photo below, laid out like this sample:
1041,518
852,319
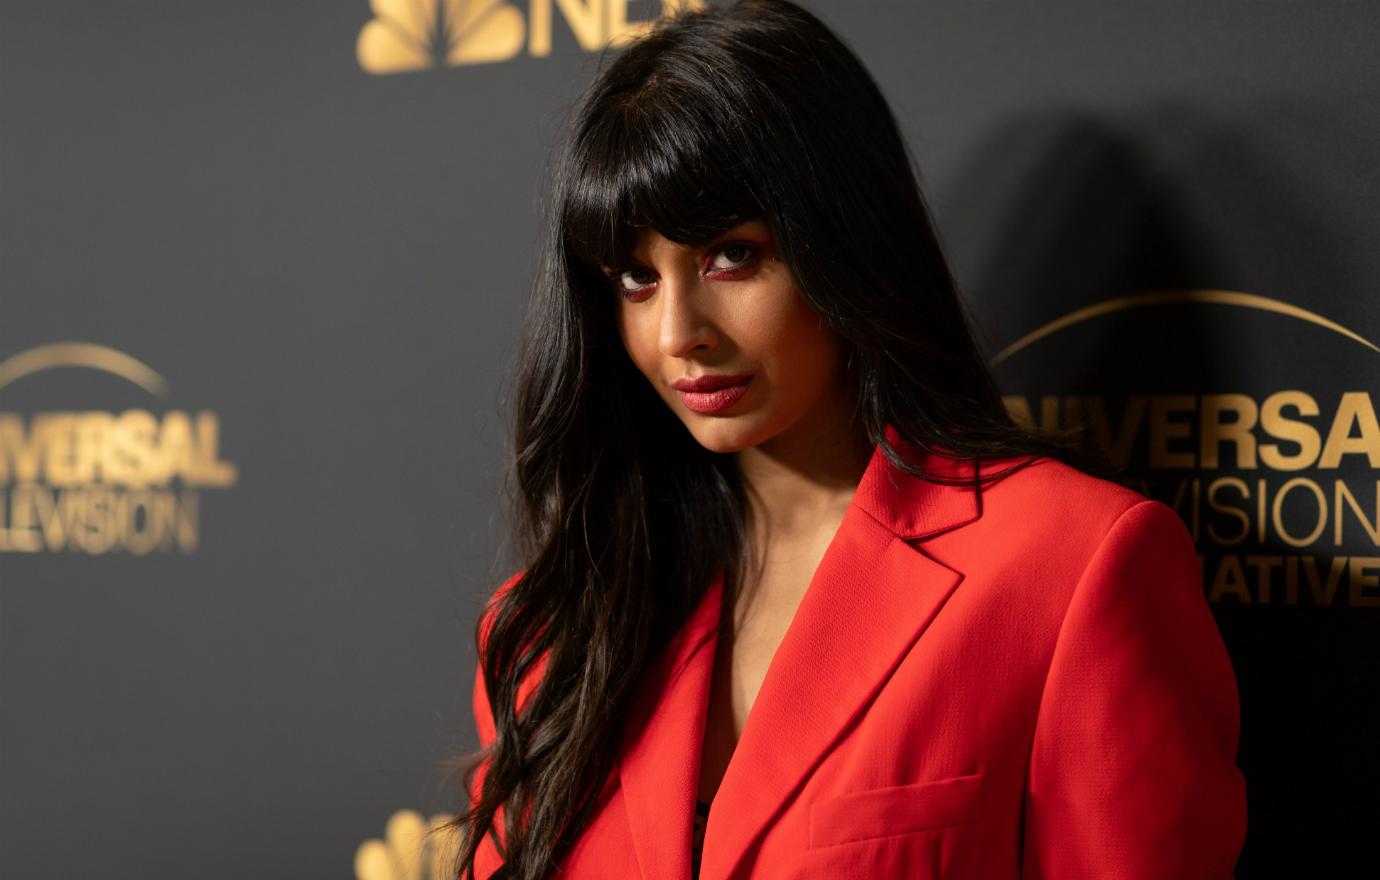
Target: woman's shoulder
508,583
1050,503
1056,482
485,627
491,603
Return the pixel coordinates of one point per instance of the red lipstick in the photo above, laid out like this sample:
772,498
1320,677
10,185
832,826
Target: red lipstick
713,392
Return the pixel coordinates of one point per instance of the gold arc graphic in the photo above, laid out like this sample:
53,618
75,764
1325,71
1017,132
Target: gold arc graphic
1164,297
81,354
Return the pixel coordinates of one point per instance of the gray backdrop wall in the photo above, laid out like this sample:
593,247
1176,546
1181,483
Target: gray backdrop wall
261,271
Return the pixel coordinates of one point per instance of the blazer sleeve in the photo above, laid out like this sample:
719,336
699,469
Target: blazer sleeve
1133,764
483,713
486,858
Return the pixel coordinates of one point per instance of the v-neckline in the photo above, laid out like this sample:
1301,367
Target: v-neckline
726,610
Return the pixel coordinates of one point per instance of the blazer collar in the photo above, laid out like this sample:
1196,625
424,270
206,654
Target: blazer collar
871,598
913,507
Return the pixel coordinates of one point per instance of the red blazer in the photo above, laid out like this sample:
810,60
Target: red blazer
1024,681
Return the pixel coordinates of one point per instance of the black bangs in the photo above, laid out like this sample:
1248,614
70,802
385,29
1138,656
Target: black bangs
653,161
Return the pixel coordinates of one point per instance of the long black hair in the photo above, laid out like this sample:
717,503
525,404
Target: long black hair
621,519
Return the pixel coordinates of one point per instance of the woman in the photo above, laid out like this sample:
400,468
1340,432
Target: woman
787,564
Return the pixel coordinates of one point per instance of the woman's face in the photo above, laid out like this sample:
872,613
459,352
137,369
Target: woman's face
725,310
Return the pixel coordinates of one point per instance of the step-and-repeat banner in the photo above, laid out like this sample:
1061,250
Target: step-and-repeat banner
262,267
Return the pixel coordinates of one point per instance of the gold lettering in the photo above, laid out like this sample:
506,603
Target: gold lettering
1213,488
1362,576
1237,432
1291,580
1275,424
24,533
132,459
1354,408
1323,592
50,517
1163,429
186,523
1340,493
208,469
1263,565
1118,446
1278,517
595,23
60,439
1230,580
83,482
175,447
584,18
93,436
141,539
102,530
20,450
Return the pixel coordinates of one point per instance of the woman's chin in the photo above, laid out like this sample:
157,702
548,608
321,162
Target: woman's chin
722,434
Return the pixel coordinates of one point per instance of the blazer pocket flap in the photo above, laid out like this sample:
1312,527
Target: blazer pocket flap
897,809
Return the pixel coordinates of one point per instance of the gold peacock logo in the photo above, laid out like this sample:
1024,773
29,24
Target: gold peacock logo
412,848
411,35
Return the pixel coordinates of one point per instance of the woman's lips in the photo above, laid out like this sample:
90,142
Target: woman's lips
717,400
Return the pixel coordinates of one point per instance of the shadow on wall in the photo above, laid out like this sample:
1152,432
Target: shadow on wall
1050,214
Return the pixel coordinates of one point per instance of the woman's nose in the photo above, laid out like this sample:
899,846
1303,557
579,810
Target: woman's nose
685,324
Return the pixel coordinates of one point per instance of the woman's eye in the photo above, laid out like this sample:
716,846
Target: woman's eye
728,259
630,280
734,256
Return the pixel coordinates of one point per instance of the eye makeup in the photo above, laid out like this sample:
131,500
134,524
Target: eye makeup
757,251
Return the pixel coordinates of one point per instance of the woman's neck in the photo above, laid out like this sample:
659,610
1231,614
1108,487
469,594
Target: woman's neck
804,476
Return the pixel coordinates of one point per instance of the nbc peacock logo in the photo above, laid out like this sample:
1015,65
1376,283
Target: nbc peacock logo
97,481
412,848
413,35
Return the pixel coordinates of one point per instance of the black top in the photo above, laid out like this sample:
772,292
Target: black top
697,837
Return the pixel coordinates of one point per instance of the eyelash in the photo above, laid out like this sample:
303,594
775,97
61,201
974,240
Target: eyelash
755,252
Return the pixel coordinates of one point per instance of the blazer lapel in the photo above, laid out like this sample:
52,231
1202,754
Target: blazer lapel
869,601
659,763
